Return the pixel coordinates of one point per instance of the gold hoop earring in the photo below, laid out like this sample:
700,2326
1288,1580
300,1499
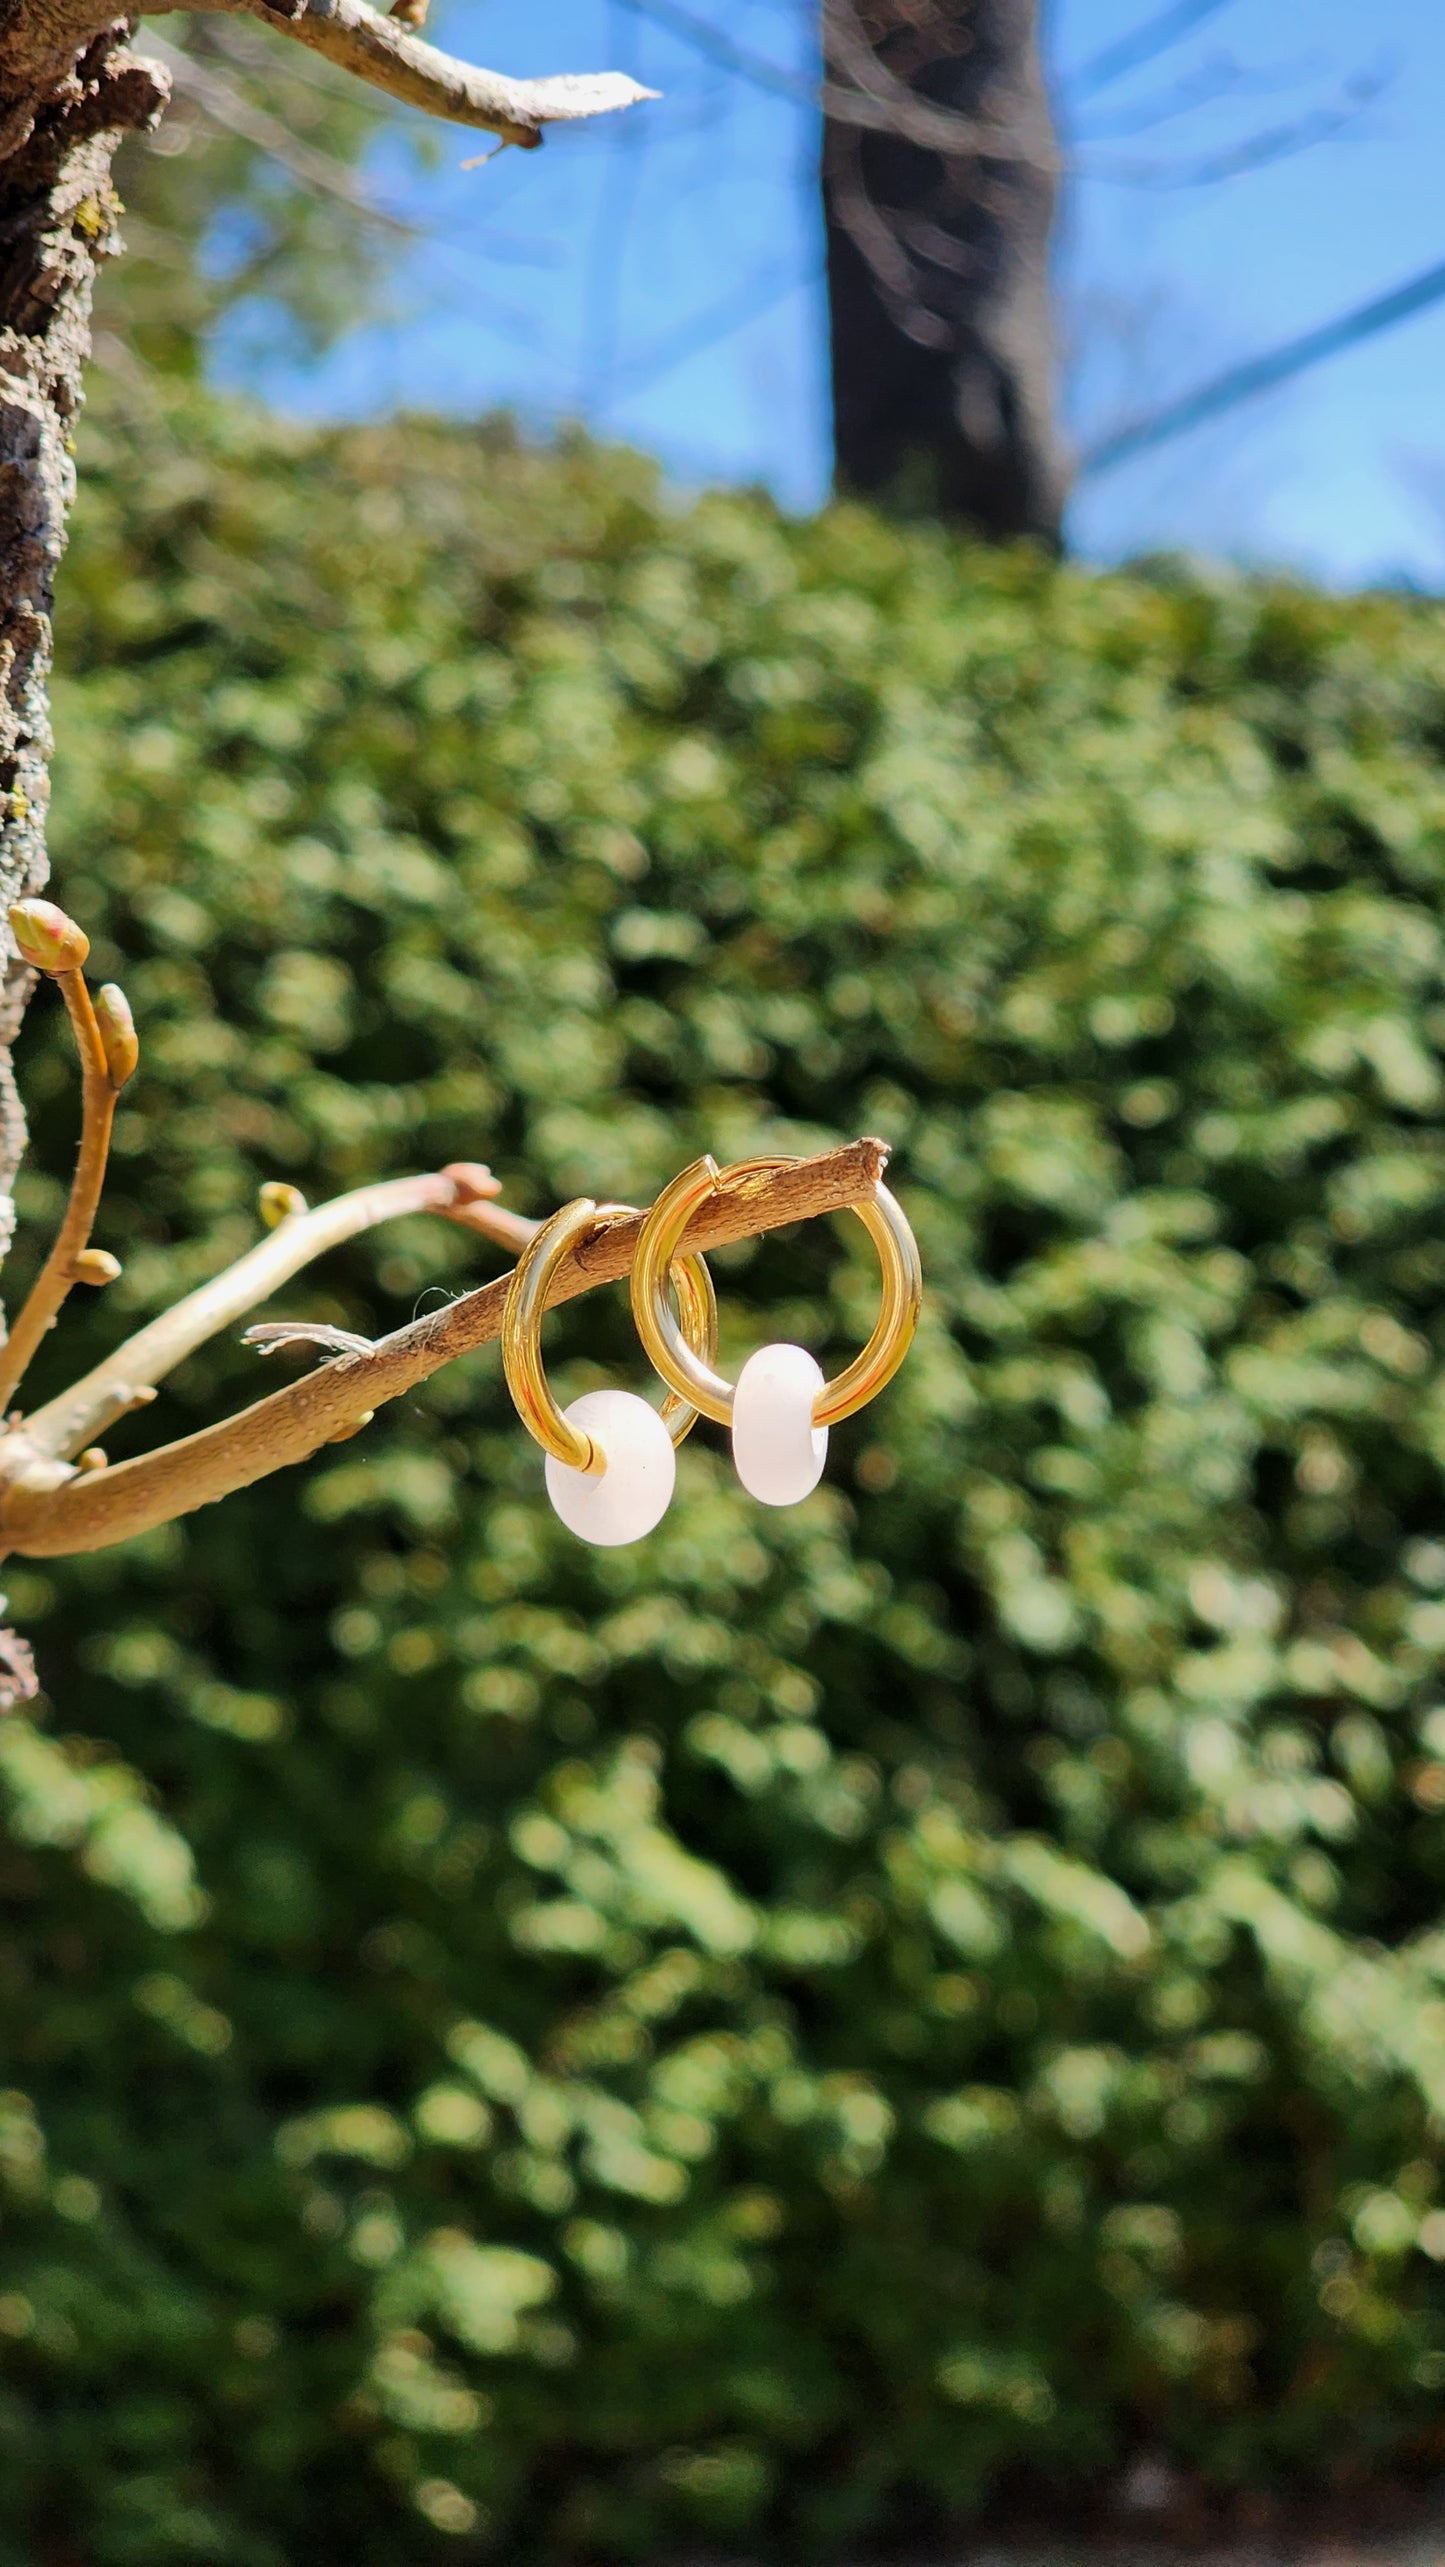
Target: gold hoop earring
782,1408
610,1467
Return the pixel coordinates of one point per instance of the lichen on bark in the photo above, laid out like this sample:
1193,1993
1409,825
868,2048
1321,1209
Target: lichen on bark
70,88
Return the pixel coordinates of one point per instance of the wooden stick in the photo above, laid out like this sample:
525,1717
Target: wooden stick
93,1510
98,1092
121,1380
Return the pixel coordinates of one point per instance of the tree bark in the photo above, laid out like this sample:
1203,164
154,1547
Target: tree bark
938,268
69,90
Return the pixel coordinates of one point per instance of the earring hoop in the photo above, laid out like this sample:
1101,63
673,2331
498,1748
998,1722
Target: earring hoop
689,1376
522,1362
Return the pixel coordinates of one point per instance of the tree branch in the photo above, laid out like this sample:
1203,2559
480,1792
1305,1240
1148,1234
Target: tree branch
1141,45
1010,129
1261,374
48,1293
1254,151
47,941
94,1510
116,1384
386,54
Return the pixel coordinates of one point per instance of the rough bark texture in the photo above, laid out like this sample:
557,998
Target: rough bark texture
69,89
942,343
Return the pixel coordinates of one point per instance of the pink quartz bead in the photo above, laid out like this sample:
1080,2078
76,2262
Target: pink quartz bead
633,1493
778,1451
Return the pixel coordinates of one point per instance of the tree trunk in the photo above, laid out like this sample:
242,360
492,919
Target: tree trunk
938,280
69,91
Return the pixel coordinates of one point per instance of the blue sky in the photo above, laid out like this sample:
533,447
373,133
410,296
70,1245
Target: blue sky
658,275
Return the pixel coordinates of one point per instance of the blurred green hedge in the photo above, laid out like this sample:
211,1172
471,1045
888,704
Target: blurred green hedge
824,2016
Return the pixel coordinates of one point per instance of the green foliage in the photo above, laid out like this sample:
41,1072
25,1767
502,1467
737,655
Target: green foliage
574,2053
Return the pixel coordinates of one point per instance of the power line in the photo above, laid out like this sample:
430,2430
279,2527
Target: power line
1261,374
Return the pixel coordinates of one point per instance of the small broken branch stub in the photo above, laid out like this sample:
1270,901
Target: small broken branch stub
385,52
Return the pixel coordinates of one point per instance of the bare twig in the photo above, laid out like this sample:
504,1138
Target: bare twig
878,243
850,49
1260,374
1219,77
115,1385
386,53
94,1510
878,101
1253,151
1142,44
102,1077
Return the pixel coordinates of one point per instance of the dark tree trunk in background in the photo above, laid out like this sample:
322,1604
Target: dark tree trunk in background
938,263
